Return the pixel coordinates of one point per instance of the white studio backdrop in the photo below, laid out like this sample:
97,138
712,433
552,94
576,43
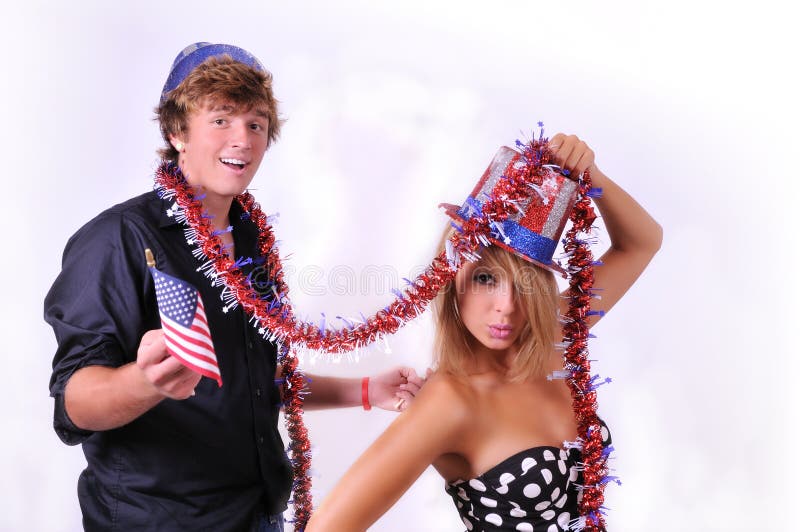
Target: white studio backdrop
395,107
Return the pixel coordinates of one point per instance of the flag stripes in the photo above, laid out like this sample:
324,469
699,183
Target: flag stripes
183,320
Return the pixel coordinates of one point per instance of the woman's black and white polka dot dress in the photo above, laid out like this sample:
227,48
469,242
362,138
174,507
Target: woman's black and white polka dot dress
533,491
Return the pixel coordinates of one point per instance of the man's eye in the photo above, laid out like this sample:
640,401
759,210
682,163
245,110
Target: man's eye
256,127
219,121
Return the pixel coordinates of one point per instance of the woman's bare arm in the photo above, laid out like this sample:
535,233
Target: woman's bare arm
635,235
432,426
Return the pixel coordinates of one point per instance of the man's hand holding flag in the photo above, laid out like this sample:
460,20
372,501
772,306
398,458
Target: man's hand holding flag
183,320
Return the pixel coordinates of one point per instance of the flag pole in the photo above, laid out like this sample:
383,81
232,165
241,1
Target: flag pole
148,255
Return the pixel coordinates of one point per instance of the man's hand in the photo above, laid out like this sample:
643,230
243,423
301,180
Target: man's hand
164,372
395,389
104,398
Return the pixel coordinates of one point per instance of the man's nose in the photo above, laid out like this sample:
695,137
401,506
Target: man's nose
240,135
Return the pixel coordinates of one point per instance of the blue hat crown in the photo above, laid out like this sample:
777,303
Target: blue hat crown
195,54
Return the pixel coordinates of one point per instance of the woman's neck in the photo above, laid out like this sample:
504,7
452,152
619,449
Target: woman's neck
485,361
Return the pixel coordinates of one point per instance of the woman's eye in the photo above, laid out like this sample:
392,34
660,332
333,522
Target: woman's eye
483,278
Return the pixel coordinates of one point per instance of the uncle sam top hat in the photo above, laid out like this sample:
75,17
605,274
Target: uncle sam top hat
533,232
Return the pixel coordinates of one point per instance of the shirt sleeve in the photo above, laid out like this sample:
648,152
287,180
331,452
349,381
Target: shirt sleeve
96,307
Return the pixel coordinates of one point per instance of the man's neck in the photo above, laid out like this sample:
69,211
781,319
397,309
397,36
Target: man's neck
218,209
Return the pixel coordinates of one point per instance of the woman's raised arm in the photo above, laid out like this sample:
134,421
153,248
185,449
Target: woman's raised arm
635,235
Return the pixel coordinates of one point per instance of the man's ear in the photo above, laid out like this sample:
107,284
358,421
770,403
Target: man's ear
176,142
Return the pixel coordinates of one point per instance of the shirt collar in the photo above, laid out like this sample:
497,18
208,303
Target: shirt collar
165,220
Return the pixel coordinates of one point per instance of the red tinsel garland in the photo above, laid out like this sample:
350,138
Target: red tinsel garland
299,446
277,320
576,335
277,316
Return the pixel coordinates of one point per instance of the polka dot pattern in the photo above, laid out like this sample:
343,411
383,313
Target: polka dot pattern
534,490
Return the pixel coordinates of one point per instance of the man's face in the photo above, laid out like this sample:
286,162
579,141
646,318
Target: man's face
223,149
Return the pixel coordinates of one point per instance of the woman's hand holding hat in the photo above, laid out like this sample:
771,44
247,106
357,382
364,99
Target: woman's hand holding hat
572,154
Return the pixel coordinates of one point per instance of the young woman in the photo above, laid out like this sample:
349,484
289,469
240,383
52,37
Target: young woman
489,420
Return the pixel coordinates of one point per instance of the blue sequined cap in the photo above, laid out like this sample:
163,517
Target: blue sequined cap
193,55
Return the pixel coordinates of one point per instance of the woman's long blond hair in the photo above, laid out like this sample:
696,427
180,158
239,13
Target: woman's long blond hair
536,293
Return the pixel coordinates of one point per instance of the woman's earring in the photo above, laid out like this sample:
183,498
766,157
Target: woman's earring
179,146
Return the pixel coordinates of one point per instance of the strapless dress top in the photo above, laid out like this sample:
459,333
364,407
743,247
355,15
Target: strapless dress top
535,490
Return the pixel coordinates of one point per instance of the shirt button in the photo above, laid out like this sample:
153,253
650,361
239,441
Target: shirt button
250,345
261,440
258,392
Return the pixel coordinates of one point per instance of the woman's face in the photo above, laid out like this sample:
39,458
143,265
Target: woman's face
488,306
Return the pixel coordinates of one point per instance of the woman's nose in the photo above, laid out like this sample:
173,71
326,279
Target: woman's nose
504,298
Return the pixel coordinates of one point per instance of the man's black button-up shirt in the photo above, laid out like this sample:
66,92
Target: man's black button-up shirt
210,462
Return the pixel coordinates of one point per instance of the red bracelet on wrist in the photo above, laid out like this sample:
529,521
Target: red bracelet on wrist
365,394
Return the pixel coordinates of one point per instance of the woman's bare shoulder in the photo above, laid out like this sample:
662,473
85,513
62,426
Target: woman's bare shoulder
443,383
443,392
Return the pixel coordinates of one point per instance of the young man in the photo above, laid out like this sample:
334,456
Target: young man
167,450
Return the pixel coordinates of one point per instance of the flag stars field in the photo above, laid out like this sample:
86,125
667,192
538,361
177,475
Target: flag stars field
183,320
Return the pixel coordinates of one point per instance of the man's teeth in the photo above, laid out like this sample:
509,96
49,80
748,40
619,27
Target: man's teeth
233,161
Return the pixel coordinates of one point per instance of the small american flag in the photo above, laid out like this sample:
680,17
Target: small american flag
183,319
